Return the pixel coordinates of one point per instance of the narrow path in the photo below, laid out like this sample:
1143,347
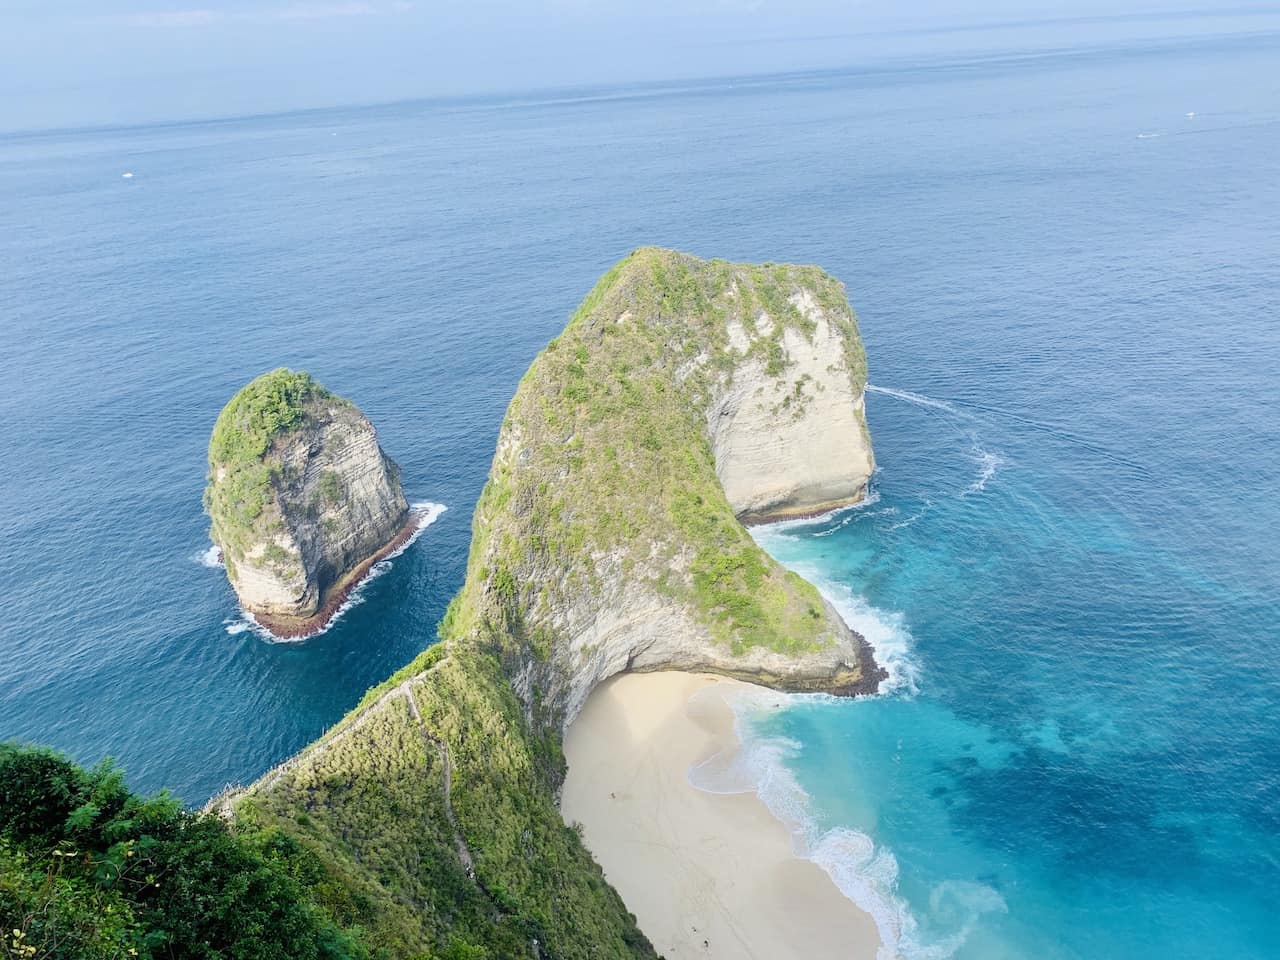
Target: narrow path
222,803
459,841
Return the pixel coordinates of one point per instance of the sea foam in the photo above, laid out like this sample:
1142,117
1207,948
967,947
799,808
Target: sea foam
989,462
884,630
863,872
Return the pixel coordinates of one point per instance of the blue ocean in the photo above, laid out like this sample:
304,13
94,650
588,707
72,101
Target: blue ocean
1066,264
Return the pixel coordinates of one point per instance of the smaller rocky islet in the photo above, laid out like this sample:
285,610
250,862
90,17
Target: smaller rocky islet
302,499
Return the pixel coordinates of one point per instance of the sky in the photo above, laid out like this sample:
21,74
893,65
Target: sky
105,62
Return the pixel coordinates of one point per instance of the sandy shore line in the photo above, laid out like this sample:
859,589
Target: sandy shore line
707,875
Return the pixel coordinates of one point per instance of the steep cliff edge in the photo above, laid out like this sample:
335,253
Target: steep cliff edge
683,397
301,497
789,431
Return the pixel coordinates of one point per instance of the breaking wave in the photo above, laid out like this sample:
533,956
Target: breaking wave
866,873
863,873
885,630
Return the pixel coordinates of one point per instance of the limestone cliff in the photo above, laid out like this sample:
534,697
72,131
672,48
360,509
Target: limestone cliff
683,397
301,497
795,444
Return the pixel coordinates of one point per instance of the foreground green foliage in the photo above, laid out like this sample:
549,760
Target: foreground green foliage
90,870
370,802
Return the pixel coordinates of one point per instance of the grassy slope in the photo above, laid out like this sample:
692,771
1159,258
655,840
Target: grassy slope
605,470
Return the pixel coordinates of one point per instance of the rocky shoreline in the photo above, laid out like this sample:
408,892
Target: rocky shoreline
807,512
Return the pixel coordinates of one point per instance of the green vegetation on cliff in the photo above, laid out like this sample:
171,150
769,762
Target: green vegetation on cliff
262,410
437,809
434,801
614,470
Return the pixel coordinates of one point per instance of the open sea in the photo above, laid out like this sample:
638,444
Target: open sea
1066,264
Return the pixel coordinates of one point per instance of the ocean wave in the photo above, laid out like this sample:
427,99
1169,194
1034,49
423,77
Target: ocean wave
863,873
211,558
248,621
884,630
427,513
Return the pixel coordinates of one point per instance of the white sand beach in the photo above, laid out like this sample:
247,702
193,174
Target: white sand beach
707,875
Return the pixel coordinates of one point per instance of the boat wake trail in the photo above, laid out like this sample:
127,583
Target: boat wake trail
919,399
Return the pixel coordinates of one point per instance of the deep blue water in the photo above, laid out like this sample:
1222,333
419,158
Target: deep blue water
1072,563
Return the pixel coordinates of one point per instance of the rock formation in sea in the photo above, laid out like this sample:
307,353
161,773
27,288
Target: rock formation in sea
301,497
684,398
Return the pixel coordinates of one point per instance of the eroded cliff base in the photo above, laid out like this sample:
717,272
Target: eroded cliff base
804,511
285,627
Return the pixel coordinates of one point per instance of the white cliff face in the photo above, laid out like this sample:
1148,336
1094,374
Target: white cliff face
334,502
796,443
270,585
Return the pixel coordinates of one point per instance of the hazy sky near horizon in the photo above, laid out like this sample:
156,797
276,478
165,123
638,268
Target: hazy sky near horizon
99,62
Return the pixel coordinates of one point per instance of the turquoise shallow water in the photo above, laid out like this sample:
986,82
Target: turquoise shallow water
1077,755
1068,290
